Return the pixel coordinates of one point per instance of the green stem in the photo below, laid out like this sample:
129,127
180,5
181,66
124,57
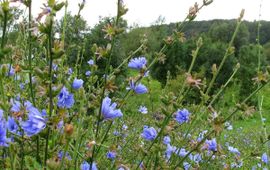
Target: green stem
22,151
50,87
104,86
11,157
80,65
30,68
223,87
64,155
4,30
2,92
95,152
260,103
107,70
157,159
194,57
246,99
104,137
63,35
30,51
77,151
64,25
227,53
2,47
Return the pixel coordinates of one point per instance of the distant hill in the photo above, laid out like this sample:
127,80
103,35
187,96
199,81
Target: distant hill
196,28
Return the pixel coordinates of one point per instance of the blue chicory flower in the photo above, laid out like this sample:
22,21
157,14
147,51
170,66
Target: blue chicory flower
149,133
70,71
65,99
146,74
111,155
201,135
196,158
11,70
211,144
4,141
18,97
124,127
43,113
109,110
233,150
116,133
137,63
22,86
35,123
228,126
169,151
77,83
61,154
90,62
60,124
265,158
143,110
181,152
166,140
12,125
16,106
182,116
88,73
54,67
186,166
238,164
1,114
138,89
87,166
142,166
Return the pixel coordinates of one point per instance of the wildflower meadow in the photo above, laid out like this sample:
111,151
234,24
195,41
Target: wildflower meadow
114,97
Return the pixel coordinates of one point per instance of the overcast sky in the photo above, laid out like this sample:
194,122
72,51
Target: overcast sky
145,12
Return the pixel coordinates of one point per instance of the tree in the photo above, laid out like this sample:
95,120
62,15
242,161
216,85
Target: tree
223,31
248,59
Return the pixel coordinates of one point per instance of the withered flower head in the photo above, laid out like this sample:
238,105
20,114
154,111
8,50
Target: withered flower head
193,82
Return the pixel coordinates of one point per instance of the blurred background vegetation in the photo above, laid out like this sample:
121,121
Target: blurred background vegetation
216,35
